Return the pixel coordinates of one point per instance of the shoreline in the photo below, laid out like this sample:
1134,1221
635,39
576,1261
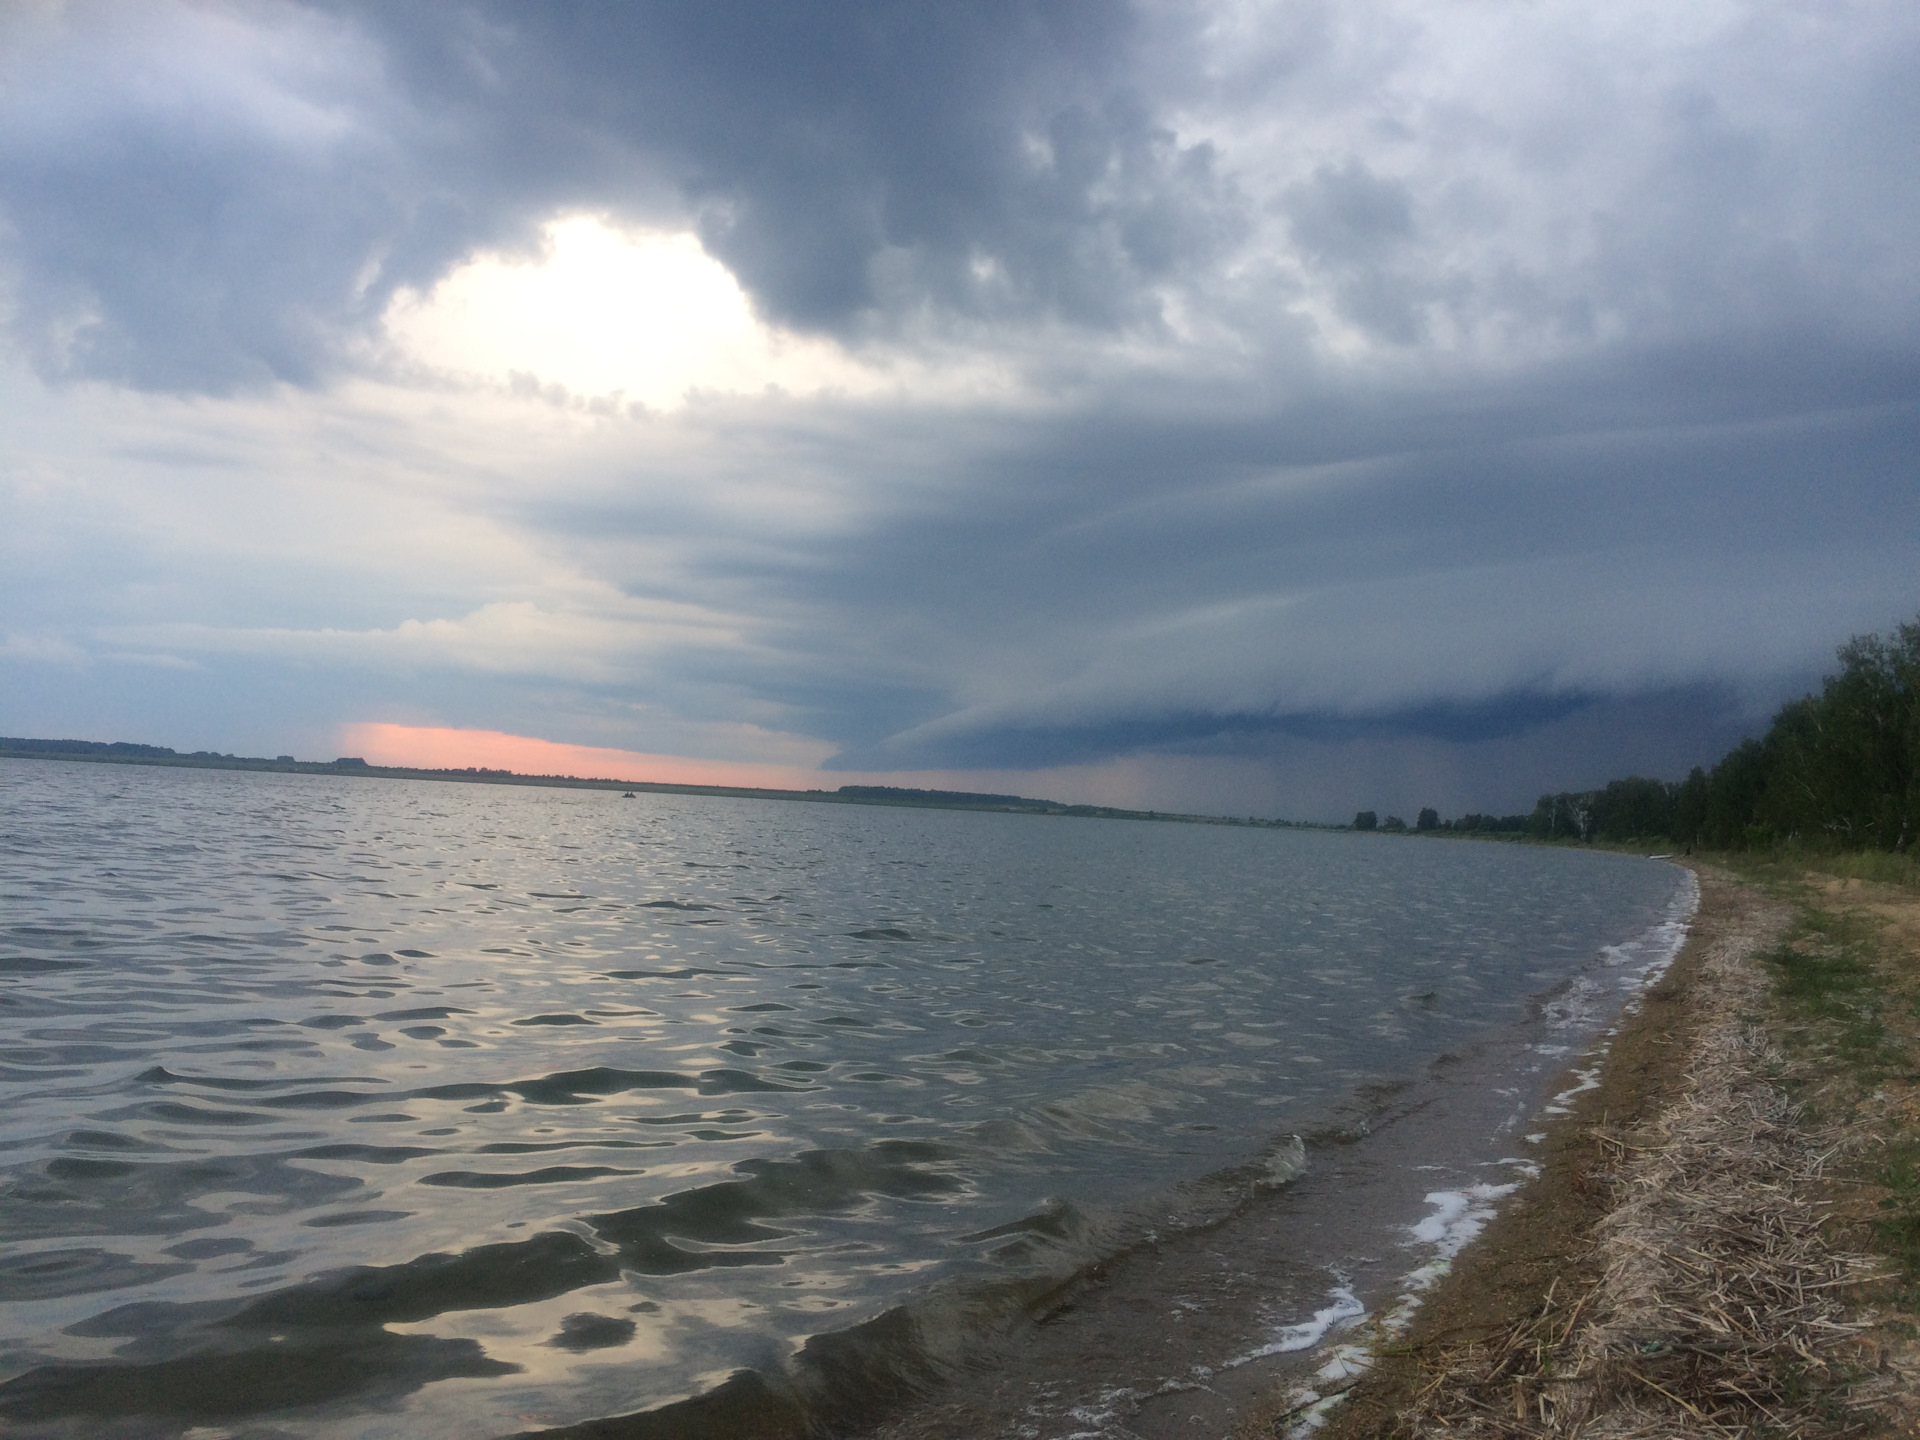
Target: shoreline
1653,1277
1194,1333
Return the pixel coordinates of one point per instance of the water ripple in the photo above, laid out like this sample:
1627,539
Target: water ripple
324,1092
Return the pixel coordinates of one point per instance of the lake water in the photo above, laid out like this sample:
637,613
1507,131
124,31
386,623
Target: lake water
343,1107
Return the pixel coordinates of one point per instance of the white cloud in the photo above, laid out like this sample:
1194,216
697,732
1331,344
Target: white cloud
604,643
41,649
636,316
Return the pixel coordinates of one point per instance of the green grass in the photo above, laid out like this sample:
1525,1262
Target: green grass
1881,867
1899,1224
1849,1013
1827,978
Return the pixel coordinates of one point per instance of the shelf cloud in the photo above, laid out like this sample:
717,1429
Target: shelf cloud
1283,406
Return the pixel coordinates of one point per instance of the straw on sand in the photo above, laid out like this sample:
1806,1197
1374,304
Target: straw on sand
1712,1302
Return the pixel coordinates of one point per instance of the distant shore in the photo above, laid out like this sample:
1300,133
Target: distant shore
103,753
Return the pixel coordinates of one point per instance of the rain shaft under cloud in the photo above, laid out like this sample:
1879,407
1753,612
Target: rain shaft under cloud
1270,407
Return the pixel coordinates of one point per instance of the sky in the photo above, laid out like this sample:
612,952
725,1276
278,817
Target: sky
1257,408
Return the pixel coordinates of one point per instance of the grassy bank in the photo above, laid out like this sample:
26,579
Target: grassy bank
1725,1236
1798,873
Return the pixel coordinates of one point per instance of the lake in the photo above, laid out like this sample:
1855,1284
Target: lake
392,1108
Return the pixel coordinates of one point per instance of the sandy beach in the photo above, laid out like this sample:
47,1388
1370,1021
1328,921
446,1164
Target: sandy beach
1710,1244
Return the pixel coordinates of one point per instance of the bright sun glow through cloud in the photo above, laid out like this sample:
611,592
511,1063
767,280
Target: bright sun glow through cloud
646,316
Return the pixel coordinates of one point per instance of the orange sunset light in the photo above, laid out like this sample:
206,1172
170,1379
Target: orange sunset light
428,747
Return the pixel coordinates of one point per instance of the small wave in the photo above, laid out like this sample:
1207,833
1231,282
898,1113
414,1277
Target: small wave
1306,1334
355,1217
366,1154
175,1113
160,1075
1458,1216
498,1180
425,1012
582,1332
845,1379
54,1274
34,965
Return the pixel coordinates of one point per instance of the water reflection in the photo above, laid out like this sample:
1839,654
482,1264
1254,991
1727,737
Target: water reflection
387,1108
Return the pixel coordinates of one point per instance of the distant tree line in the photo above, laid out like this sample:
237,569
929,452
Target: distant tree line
20,744
901,795
1839,770
1429,821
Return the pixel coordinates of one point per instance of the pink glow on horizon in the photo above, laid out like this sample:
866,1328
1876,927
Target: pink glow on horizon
1134,782
424,747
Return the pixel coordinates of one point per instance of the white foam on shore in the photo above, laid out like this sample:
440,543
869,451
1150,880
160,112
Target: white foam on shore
1626,969
1345,1309
1584,1080
1460,1215
1639,962
1457,1217
1647,956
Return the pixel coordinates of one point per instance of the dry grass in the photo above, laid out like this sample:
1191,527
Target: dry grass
1713,1299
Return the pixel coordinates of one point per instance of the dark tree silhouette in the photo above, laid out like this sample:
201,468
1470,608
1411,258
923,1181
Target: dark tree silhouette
1839,769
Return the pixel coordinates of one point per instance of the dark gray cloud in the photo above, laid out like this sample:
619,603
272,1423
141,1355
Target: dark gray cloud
1459,565
202,199
1353,224
191,201
1390,387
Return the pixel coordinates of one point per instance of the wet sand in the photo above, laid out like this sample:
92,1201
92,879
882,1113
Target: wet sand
1697,1255
1545,1228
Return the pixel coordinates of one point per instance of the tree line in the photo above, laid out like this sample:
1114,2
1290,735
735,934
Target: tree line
1836,770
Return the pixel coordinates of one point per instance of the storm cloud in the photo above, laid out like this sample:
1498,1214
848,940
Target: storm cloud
1296,404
